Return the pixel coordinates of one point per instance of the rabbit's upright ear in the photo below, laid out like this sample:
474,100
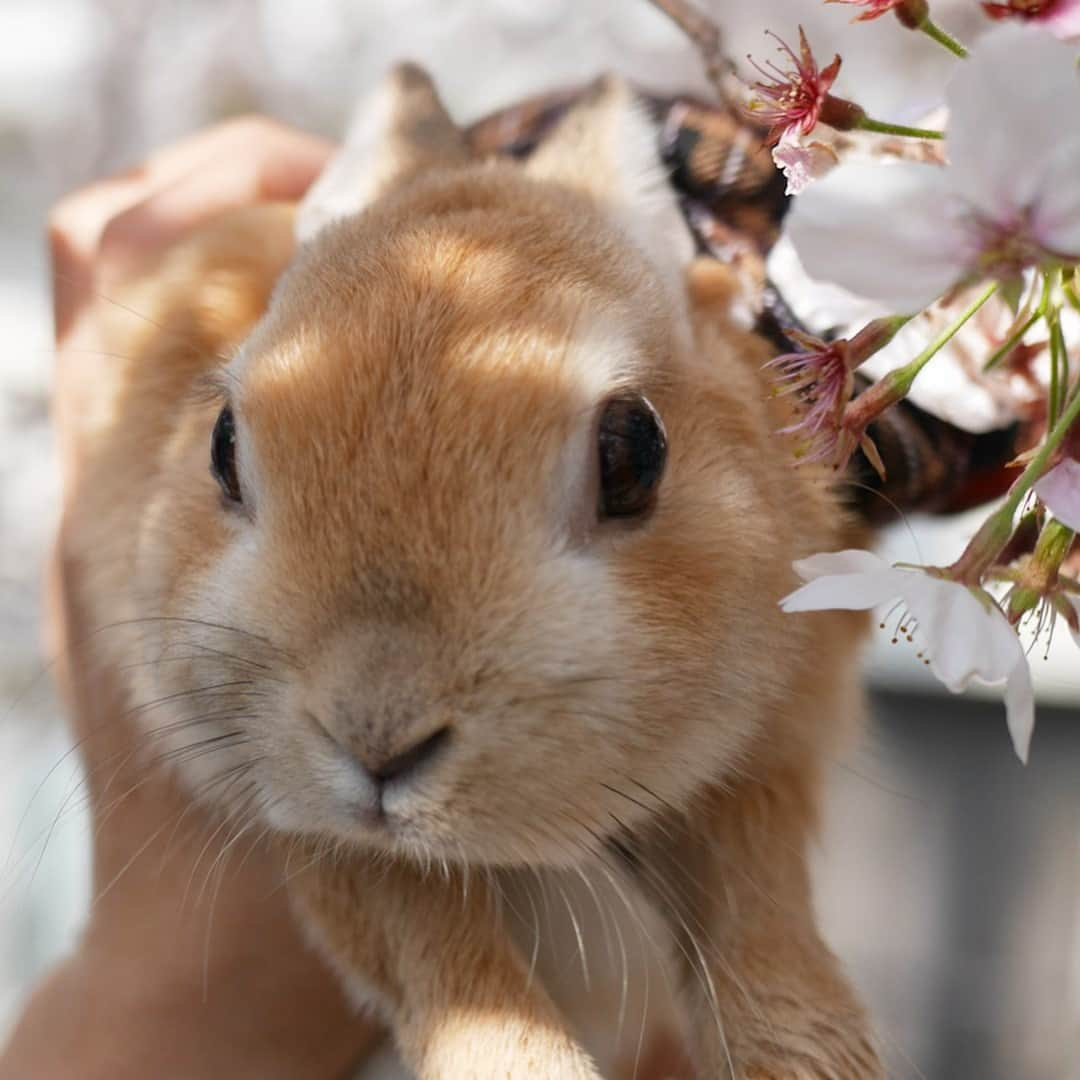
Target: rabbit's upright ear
607,147
400,130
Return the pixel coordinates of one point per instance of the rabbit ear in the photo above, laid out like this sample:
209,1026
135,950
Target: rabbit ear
400,130
607,147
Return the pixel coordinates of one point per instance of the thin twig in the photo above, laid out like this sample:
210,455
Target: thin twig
707,39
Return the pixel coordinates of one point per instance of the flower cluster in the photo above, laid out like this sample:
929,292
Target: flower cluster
977,242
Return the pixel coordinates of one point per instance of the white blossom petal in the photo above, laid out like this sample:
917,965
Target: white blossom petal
802,162
1020,708
846,592
893,232
966,636
820,306
1013,137
848,561
851,580
1060,490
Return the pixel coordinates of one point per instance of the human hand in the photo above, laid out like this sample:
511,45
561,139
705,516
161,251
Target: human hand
179,973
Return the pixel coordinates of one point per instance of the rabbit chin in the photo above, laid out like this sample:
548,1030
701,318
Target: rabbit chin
424,830
425,836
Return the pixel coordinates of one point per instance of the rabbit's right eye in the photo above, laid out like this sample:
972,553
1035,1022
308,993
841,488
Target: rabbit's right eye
223,455
632,445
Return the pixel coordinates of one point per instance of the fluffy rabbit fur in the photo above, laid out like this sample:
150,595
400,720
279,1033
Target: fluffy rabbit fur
604,867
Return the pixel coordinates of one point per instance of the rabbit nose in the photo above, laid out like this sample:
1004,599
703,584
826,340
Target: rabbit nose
402,765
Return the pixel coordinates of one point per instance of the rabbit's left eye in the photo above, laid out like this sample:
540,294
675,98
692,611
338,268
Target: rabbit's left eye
223,455
632,445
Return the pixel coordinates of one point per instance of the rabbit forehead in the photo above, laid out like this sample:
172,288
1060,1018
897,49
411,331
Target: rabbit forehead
435,440
458,266
430,413
461,332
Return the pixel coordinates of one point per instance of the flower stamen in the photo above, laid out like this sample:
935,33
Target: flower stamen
791,101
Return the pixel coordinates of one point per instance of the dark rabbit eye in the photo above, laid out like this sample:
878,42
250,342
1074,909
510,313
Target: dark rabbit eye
223,455
633,448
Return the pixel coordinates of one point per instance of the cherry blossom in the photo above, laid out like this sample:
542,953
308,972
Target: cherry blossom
802,162
903,233
1060,17
954,387
821,377
964,634
791,101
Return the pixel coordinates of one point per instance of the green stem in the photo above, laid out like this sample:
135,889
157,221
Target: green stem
1071,289
1059,368
895,386
942,37
994,533
868,123
1034,471
906,374
1012,341
1014,338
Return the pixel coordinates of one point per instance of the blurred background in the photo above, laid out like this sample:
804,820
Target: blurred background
949,876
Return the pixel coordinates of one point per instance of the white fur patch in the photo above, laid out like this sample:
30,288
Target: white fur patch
608,148
351,181
603,356
645,205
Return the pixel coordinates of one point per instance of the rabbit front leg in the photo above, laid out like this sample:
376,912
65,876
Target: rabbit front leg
766,997
430,954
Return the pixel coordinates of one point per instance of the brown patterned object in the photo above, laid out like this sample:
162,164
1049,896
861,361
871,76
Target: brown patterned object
734,202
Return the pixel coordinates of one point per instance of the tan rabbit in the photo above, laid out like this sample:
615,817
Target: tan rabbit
478,610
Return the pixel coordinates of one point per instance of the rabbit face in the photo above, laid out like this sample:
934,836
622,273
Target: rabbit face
489,568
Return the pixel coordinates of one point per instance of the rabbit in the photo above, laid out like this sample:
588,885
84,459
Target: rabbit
447,544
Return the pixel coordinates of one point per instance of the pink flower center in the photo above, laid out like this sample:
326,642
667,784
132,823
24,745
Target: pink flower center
792,100
1007,247
1024,9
